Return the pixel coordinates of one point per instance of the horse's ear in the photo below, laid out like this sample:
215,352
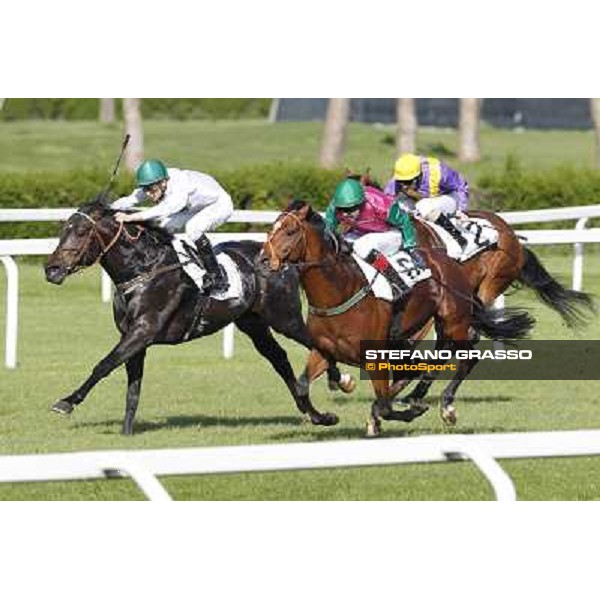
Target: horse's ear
365,178
304,211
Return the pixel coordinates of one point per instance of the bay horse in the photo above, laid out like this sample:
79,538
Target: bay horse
157,303
343,310
507,263
492,272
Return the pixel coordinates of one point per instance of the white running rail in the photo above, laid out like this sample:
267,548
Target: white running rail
144,466
10,248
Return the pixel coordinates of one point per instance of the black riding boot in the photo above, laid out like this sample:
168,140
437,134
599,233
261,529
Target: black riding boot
447,224
215,279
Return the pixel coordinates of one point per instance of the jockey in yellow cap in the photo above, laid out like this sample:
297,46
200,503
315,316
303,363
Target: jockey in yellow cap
438,190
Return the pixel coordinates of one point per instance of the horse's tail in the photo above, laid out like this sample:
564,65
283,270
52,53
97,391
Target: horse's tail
570,304
502,323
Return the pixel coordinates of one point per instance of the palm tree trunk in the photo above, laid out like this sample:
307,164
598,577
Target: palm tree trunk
595,110
334,135
133,126
468,128
406,126
107,110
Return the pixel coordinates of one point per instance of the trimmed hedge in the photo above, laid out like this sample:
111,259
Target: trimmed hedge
157,108
517,189
266,187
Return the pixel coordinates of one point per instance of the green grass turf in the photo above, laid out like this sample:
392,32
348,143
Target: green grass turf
193,397
210,145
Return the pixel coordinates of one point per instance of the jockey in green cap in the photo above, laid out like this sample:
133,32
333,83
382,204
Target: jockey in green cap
183,200
375,223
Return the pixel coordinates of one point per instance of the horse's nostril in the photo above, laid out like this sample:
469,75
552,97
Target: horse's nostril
53,273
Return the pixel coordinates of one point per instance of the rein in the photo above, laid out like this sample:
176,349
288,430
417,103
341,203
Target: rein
94,233
328,261
304,264
128,286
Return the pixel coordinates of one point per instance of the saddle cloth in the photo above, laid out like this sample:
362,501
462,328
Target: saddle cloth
403,265
479,233
234,278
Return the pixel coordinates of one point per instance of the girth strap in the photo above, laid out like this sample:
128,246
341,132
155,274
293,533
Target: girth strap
129,286
344,307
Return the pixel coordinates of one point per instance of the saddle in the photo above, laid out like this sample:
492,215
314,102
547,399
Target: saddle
403,264
479,233
197,273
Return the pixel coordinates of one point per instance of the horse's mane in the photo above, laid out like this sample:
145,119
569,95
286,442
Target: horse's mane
313,217
365,179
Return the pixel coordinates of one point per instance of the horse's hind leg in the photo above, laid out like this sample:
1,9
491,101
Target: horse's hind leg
135,373
289,322
258,331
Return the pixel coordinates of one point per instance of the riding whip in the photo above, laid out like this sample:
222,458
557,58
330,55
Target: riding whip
116,169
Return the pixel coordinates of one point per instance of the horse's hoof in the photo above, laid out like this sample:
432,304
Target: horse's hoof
326,419
62,407
373,429
330,419
449,415
347,383
419,408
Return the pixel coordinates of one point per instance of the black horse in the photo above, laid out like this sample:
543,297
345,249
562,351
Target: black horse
156,302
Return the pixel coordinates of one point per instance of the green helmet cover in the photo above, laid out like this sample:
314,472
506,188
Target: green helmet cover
348,194
149,172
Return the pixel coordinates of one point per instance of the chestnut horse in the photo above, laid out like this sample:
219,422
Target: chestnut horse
343,310
492,272
507,263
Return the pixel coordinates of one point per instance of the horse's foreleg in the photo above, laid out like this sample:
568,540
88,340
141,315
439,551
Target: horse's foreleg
130,345
316,365
448,411
295,328
382,408
263,340
135,373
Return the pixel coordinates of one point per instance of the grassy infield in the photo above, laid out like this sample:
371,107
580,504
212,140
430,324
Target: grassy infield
192,397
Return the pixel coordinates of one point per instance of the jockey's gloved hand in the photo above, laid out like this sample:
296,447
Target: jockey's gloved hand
417,257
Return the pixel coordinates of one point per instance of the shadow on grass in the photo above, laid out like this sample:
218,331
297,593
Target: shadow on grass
296,422
481,399
322,434
195,421
340,400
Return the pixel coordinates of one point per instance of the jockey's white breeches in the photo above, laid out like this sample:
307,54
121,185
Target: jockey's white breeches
196,223
431,208
387,243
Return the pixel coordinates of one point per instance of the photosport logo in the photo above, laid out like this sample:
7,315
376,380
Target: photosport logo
524,360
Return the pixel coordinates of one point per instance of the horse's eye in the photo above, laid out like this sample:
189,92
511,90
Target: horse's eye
290,233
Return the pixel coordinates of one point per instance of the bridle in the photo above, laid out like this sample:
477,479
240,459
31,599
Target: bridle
95,234
302,264
328,261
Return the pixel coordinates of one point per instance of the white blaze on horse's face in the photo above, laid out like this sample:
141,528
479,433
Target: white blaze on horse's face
287,239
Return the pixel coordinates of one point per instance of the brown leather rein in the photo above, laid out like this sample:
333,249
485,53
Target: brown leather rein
94,233
320,263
